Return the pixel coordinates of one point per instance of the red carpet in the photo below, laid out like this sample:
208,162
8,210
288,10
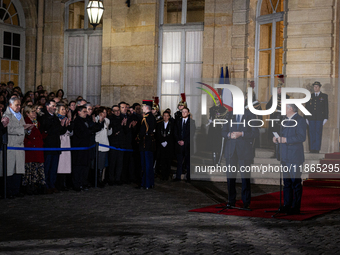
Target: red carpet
315,201
335,155
333,183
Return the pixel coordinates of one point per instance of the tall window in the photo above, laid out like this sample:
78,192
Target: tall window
270,53
12,40
83,54
180,55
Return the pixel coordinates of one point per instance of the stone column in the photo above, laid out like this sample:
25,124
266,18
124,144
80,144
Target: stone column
40,26
129,52
53,46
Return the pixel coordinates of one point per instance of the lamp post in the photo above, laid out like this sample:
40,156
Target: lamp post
95,11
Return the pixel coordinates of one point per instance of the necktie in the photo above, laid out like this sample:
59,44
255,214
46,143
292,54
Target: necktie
238,119
183,129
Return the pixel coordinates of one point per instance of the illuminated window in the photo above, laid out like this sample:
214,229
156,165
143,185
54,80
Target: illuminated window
12,41
8,13
180,56
173,11
270,52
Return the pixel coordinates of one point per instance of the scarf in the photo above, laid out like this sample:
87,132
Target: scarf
61,117
35,122
16,114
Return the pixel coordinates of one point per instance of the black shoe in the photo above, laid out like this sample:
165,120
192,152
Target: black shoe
62,188
77,189
176,180
10,196
230,205
246,206
284,209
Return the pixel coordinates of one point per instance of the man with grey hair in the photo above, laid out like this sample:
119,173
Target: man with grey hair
81,102
292,157
15,158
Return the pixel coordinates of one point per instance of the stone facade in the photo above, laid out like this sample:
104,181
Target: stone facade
129,70
130,48
312,53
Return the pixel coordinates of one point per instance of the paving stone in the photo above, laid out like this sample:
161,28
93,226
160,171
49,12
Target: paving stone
125,220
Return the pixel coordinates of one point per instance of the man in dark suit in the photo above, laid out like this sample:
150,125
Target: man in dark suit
217,111
318,107
129,123
51,128
165,145
184,131
238,150
277,114
82,134
292,157
146,145
117,139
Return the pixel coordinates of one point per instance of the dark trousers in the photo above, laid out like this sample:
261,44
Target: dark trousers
115,165
128,168
315,134
137,167
80,176
12,185
292,188
165,165
184,155
51,168
231,180
63,181
148,178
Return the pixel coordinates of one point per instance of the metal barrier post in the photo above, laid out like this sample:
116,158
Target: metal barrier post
4,167
96,166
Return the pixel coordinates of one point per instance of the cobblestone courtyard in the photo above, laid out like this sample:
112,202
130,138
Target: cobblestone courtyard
125,220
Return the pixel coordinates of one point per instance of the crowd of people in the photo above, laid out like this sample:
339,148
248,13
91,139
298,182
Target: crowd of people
136,142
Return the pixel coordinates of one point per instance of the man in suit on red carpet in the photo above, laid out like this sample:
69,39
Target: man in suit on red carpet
292,157
238,151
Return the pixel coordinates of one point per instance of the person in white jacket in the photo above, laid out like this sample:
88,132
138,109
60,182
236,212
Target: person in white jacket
64,166
102,138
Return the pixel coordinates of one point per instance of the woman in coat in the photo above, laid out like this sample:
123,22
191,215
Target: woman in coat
102,138
34,178
64,166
